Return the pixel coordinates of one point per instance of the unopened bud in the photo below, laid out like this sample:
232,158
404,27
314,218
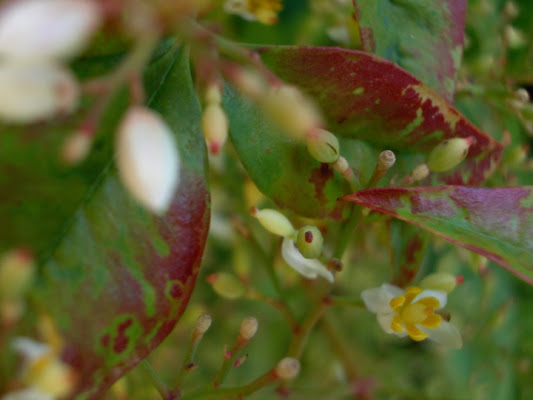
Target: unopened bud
147,159
213,94
248,328
309,241
448,154
323,146
226,285
420,172
386,160
17,270
31,92
511,10
515,38
293,112
515,156
288,368
214,127
37,30
522,95
203,323
274,222
76,147
249,83
51,376
439,281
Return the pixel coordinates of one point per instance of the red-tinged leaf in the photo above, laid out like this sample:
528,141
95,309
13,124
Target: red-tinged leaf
408,246
494,222
425,37
369,98
121,277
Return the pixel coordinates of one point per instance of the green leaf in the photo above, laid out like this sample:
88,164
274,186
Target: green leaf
368,98
120,277
494,222
425,37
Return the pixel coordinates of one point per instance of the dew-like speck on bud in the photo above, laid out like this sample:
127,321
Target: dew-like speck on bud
288,368
323,145
274,222
386,160
449,153
147,158
214,127
52,29
292,111
76,147
32,92
309,241
249,327
203,323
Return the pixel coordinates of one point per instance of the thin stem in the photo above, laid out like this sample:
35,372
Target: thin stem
277,304
188,359
300,337
339,345
346,232
162,388
235,351
346,302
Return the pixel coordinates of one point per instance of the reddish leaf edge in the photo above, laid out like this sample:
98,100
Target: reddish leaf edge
495,258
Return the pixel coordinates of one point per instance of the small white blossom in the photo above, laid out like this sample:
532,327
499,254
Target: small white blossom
147,158
49,30
412,312
310,268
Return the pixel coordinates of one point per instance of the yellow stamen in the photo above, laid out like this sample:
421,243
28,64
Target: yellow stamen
432,321
411,293
414,313
430,302
397,302
266,11
397,324
415,333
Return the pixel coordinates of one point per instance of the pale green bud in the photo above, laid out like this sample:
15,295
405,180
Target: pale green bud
420,172
248,328
448,154
17,270
323,146
288,368
226,285
309,241
274,222
214,127
439,281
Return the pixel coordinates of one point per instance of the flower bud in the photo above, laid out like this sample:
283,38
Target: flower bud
420,172
522,95
51,29
323,146
510,10
76,147
309,241
31,92
17,270
214,127
249,82
147,160
515,37
274,222
386,160
515,156
213,94
203,323
439,281
226,285
249,327
310,269
288,368
293,112
448,154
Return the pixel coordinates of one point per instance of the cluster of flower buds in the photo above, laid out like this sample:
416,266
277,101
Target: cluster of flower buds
17,270
214,120
36,37
300,248
147,158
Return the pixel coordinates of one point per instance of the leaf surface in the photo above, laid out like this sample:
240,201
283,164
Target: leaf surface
494,222
369,98
120,277
425,37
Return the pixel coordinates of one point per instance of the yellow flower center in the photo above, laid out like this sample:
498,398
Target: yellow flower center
266,11
409,314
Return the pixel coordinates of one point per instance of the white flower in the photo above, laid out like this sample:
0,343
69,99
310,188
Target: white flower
31,92
264,11
310,268
147,159
412,312
51,29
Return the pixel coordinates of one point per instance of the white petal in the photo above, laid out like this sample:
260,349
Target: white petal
392,290
385,321
30,349
377,300
37,29
147,159
31,92
445,334
27,394
440,295
310,268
